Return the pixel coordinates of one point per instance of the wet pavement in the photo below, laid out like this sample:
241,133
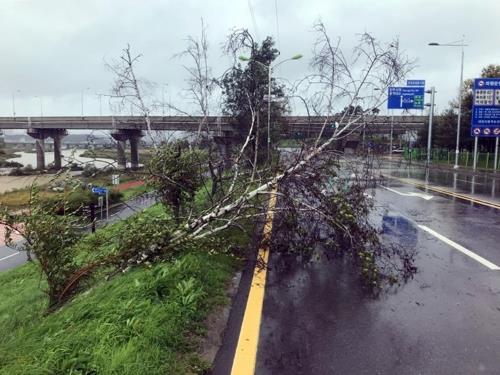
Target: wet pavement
318,320
481,185
10,258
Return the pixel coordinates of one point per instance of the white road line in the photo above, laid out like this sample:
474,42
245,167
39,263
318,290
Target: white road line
10,256
411,194
460,248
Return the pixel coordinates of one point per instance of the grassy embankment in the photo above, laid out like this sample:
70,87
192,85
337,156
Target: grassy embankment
19,198
145,321
107,153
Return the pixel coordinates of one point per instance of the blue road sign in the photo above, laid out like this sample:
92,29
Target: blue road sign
415,82
486,108
99,190
405,98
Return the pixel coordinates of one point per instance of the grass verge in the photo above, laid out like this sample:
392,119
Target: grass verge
146,321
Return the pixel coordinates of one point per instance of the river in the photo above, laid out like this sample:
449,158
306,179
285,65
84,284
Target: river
69,156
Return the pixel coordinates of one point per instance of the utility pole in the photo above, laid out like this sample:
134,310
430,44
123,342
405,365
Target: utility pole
462,45
474,165
495,163
392,129
432,91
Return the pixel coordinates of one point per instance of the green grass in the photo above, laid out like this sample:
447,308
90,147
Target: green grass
145,321
135,191
20,198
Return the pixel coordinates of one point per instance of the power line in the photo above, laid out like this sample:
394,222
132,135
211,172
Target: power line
277,24
253,19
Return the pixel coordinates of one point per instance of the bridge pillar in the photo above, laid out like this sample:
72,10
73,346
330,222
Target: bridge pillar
39,135
121,141
224,144
121,136
57,135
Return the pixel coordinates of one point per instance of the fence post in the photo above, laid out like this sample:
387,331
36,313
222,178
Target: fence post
487,159
448,157
467,159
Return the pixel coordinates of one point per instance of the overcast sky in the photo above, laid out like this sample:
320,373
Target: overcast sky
55,49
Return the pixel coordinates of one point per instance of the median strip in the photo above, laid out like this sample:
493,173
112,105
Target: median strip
246,351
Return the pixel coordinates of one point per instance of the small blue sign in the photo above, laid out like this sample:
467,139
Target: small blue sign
405,98
99,190
415,82
486,108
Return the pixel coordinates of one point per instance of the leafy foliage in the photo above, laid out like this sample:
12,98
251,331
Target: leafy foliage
49,237
329,212
244,88
175,172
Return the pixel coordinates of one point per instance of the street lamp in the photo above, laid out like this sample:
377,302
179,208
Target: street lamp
14,102
461,44
163,99
41,105
269,73
100,103
88,88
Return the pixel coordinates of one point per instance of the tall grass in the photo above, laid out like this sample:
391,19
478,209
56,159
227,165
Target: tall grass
145,321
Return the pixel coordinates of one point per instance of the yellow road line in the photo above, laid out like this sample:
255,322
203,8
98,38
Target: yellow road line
246,351
447,192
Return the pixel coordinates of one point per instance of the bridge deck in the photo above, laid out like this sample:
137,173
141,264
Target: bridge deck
186,123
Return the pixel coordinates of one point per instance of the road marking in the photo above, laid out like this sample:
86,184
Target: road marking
460,248
447,192
245,357
10,256
411,194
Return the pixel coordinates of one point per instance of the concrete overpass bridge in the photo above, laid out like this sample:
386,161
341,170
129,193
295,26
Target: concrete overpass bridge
131,128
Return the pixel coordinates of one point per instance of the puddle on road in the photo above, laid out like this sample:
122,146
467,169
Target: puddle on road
397,229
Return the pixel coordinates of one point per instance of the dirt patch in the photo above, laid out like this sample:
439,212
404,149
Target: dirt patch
129,184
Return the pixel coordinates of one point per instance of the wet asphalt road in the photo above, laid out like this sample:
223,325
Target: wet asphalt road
318,320
481,185
10,258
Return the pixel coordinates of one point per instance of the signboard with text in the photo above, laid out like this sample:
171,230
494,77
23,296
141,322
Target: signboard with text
415,82
99,190
486,108
405,98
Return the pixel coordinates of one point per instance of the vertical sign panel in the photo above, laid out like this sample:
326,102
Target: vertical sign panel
486,108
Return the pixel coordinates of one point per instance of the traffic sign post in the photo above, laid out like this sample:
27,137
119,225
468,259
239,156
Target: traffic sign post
102,192
415,82
486,113
486,108
406,98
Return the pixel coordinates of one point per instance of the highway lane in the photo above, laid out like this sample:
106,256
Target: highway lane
318,320
481,185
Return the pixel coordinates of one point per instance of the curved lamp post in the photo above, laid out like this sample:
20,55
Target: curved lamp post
269,71
461,44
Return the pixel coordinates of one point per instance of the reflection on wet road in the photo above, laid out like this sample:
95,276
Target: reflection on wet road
318,320
486,185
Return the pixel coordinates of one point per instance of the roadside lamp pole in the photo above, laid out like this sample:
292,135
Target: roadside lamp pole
14,102
88,88
461,44
100,103
41,105
269,74
432,91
